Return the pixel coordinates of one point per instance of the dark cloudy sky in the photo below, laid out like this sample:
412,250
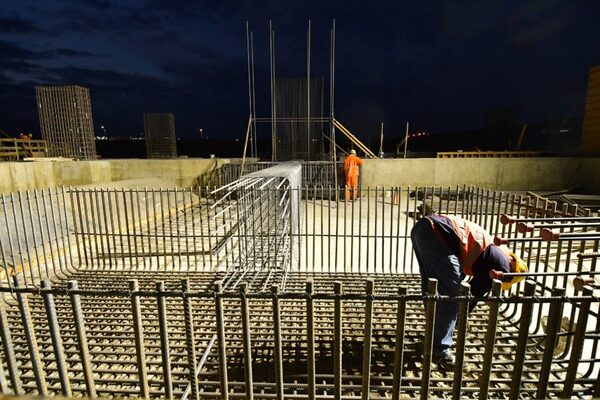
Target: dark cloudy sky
439,64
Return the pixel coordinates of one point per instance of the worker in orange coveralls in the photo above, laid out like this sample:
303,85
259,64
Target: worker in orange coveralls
351,164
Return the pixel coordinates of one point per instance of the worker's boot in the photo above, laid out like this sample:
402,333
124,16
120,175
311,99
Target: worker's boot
445,362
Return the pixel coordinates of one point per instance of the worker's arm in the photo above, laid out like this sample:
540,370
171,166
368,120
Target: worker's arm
491,258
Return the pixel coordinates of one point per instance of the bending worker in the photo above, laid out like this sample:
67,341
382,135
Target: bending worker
448,248
351,164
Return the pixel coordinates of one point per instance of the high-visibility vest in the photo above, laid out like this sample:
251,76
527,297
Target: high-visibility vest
474,240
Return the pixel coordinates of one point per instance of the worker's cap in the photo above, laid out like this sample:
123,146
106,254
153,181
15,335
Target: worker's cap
352,151
520,267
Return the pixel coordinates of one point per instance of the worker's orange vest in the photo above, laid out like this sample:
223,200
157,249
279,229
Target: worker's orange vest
474,240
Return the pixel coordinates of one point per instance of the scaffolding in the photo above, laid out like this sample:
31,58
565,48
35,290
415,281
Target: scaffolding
159,130
66,122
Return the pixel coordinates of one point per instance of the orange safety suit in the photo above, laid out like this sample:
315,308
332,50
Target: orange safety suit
351,164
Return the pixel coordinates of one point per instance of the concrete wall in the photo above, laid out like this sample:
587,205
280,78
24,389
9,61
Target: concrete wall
493,173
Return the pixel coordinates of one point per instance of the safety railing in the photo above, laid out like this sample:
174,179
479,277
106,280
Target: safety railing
328,338
17,149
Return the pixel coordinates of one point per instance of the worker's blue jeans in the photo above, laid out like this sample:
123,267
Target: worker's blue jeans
436,260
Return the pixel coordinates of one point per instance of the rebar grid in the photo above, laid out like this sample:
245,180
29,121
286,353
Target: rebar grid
112,346
111,340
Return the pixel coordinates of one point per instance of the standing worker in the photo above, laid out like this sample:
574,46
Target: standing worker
448,248
351,164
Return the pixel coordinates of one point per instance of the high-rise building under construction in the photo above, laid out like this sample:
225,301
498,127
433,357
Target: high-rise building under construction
66,122
159,129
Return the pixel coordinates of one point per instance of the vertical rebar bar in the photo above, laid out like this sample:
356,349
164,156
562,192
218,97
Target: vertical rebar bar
277,336
368,335
189,337
57,344
526,313
9,351
248,379
165,353
138,331
221,338
399,343
3,381
428,342
337,342
34,352
490,339
461,336
310,340
552,328
577,348
84,351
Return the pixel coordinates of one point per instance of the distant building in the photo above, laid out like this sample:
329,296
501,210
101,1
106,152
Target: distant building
159,129
590,139
66,122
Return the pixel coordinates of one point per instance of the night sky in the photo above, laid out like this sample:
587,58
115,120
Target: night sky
439,64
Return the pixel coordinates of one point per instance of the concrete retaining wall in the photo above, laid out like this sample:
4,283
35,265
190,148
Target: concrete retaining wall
493,173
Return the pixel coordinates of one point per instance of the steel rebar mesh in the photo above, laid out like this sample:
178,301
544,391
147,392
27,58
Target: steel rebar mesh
106,237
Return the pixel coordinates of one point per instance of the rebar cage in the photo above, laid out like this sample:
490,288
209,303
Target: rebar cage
233,292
